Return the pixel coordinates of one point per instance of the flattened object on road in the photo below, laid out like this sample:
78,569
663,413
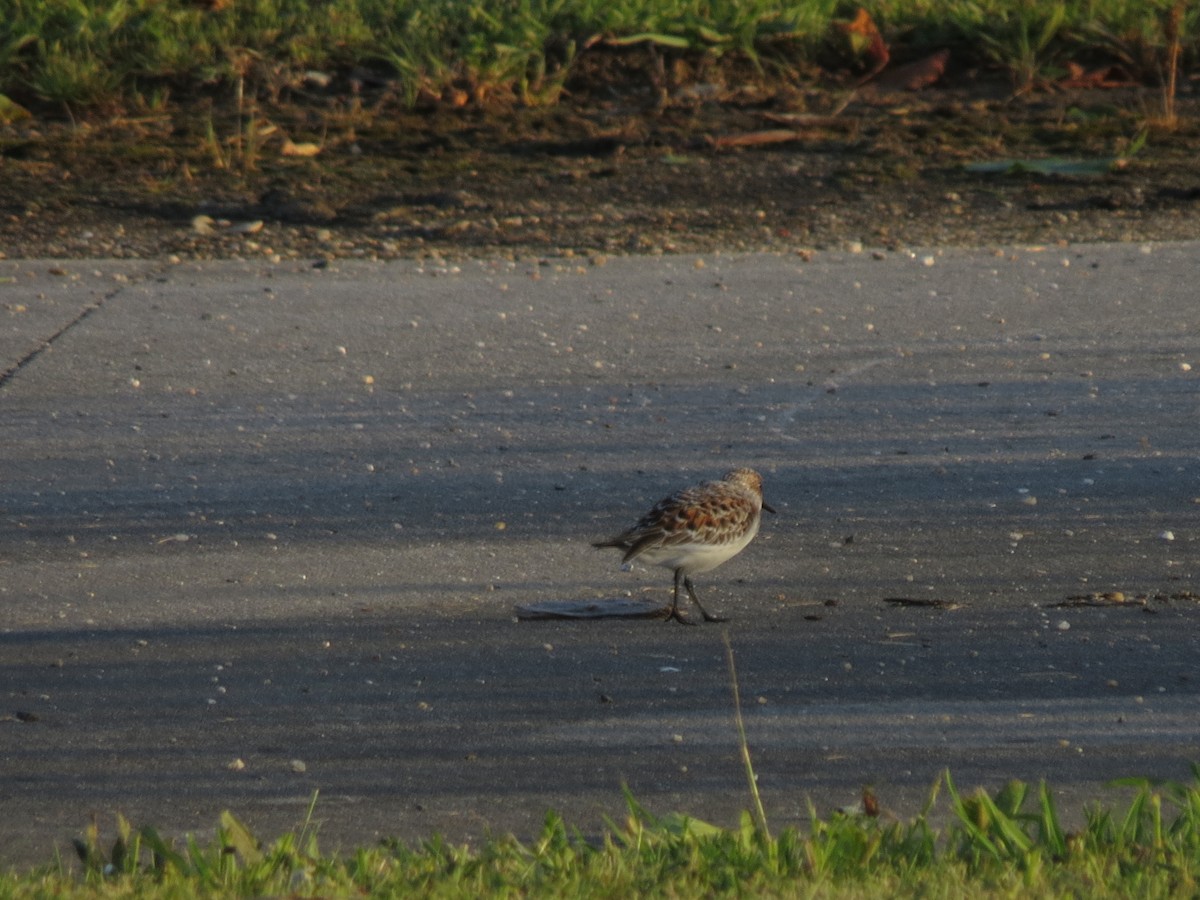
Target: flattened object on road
933,602
618,608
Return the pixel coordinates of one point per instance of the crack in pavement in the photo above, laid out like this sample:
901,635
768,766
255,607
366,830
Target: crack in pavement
46,343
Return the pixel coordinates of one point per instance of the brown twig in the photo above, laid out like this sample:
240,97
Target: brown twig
1174,20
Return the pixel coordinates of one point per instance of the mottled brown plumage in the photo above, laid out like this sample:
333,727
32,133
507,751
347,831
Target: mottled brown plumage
696,529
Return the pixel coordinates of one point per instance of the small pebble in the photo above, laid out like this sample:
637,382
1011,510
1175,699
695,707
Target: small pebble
253,227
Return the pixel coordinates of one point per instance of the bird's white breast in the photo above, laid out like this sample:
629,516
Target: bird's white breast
698,556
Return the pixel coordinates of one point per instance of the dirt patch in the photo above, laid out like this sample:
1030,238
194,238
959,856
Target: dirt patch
603,173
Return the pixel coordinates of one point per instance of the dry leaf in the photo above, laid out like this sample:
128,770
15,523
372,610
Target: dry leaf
1108,77
291,148
915,75
865,40
756,138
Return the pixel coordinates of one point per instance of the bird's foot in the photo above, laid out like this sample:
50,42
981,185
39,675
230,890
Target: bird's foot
678,617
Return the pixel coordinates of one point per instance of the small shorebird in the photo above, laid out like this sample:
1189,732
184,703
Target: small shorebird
696,530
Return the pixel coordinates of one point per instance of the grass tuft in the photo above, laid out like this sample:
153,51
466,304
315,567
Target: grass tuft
1009,842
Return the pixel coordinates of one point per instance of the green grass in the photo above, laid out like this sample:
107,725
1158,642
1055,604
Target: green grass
1008,844
103,54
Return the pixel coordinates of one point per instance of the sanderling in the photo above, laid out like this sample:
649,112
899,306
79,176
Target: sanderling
696,530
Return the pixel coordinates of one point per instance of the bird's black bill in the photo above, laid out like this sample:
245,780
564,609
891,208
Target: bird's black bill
768,507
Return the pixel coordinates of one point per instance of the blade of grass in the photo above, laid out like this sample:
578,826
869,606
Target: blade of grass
1052,835
751,780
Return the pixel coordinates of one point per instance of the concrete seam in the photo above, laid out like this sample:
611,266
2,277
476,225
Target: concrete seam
47,342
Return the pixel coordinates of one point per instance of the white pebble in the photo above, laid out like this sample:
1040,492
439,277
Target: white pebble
1167,535
1064,625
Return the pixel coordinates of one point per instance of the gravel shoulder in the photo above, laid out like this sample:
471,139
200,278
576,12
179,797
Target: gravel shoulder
779,169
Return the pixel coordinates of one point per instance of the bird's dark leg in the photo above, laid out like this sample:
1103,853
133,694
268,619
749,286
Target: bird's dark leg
675,613
687,583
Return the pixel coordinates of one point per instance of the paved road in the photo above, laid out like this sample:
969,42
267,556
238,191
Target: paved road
263,529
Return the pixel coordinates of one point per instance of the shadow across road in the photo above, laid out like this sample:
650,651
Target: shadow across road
263,531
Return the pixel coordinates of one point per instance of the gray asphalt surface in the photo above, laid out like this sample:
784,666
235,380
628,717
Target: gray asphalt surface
263,530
